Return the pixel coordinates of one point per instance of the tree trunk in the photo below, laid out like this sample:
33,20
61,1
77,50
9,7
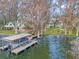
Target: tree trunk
69,32
77,32
65,31
38,33
16,32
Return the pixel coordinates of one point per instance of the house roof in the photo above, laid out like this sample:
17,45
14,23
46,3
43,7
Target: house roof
10,24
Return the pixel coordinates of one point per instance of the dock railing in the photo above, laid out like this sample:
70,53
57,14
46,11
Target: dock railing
18,45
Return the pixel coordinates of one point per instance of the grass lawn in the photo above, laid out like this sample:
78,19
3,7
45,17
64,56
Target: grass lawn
7,32
54,31
57,31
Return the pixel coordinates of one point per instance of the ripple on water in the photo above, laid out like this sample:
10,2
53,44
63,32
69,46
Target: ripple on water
56,47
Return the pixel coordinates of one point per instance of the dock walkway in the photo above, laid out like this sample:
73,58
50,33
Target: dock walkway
21,48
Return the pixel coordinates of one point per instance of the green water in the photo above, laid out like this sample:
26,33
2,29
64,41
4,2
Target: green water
38,51
51,47
60,47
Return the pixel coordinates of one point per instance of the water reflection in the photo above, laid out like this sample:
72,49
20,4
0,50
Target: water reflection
75,48
59,47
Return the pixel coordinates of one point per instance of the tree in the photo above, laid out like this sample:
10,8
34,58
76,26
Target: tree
41,13
38,15
4,9
70,21
35,12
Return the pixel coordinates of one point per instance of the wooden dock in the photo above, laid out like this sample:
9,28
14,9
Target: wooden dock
21,48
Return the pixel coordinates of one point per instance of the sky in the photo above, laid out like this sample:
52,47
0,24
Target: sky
55,9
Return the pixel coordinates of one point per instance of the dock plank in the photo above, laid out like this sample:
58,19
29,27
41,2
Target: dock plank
21,48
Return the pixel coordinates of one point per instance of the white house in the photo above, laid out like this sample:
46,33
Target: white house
9,25
12,25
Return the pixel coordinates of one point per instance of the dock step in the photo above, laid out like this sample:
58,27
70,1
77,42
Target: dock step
21,48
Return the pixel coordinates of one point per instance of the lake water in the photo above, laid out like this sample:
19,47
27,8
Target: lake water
50,47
